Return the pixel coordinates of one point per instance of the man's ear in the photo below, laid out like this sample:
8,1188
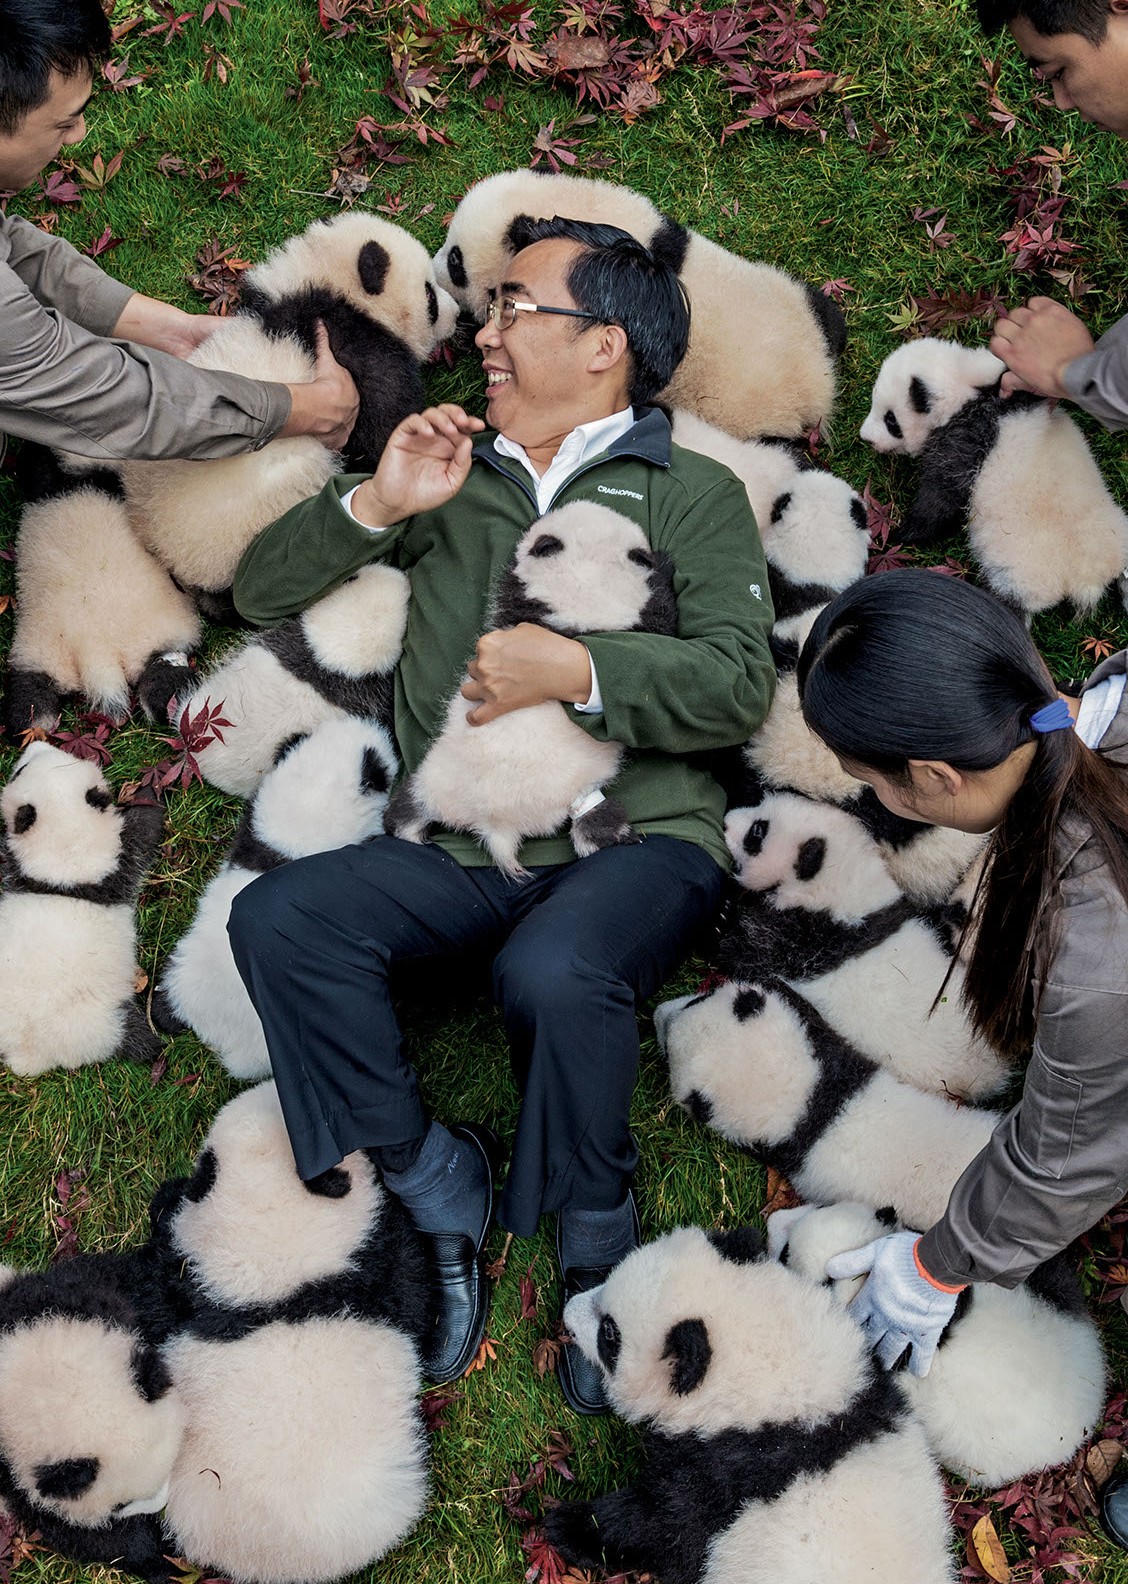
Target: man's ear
611,348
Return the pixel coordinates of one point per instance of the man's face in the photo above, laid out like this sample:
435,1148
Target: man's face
538,379
43,131
1089,78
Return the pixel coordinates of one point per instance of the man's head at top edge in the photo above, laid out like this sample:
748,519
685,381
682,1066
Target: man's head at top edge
1079,48
49,52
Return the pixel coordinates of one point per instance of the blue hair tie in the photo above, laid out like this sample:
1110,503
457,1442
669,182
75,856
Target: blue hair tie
1052,717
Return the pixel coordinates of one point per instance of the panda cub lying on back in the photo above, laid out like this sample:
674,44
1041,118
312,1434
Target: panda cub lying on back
777,1451
581,568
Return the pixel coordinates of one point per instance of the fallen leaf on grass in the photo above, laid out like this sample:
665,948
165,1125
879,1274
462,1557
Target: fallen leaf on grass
986,1549
780,1194
546,1356
486,1353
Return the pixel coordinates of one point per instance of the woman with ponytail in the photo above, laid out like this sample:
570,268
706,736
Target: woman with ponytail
934,693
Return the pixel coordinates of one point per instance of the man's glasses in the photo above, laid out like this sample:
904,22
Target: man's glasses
503,311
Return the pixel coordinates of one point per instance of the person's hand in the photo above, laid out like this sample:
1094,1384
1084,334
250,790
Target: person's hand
327,405
523,665
153,323
899,1306
425,462
1037,343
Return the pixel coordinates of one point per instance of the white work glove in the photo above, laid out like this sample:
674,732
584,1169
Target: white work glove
899,1305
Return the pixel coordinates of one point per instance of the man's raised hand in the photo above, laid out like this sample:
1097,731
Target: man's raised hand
1037,343
425,462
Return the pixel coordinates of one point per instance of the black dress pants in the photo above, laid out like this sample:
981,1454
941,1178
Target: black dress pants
576,946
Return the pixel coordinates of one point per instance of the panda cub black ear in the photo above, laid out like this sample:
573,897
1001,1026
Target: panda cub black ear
689,1350
780,505
920,395
26,816
748,1003
202,1180
811,857
859,514
546,544
287,743
373,773
372,265
643,558
150,1372
519,234
743,1245
67,1479
334,1183
98,797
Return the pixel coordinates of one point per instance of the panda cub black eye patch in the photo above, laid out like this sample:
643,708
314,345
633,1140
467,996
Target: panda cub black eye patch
810,860
432,303
609,1343
67,1479
546,545
754,837
890,421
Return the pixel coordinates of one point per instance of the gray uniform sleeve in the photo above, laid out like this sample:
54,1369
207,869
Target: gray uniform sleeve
62,384
1098,382
1059,1160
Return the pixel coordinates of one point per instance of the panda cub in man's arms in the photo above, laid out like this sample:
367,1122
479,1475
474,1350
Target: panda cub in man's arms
764,1414
73,862
580,569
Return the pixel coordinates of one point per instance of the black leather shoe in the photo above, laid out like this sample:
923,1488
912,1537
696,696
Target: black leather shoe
580,1380
1114,1510
461,1287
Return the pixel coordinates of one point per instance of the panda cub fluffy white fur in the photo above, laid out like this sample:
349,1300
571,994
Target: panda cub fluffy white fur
298,1366
328,789
373,287
761,1066
1016,471
96,614
581,568
822,912
763,346
72,862
776,1450
1018,1381
336,660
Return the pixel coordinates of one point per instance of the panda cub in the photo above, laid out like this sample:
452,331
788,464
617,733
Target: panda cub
307,1304
336,660
776,1450
373,287
581,568
1015,470
761,1066
822,912
762,352
327,790
72,862
96,614
1018,1381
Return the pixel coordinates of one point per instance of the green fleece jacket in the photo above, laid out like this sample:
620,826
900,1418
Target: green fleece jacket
665,699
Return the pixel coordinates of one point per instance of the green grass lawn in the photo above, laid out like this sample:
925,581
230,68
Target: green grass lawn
827,210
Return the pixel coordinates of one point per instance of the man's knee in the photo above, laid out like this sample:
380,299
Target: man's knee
542,979
263,911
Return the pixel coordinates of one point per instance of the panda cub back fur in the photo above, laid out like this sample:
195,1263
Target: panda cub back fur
762,351
336,660
776,1449
72,862
96,614
1018,1381
1016,471
581,568
822,912
373,287
761,1066
328,790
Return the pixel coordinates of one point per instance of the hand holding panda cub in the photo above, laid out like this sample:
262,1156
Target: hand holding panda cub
581,568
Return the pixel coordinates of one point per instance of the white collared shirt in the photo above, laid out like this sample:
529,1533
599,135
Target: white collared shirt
576,449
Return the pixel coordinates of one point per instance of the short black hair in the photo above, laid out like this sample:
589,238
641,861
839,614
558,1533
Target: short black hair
41,36
1089,18
619,281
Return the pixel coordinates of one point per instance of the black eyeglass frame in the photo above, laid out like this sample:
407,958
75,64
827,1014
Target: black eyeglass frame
496,306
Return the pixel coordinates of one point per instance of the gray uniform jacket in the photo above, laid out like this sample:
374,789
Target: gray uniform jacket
63,383
1059,1160
1098,382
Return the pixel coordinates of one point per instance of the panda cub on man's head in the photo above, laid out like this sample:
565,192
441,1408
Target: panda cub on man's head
579,569
1015,471
335,661
776,1448
373,286
759,1064
1018,1381
762,353
821,910
328,789
73,862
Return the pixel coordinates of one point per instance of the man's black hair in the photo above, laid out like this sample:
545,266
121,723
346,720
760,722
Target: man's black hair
619,281
1089,18
38,36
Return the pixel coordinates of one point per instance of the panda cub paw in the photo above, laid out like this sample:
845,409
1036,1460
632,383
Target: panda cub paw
604,825
404,816
573,1529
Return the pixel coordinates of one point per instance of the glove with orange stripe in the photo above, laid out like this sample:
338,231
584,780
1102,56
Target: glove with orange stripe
900,1305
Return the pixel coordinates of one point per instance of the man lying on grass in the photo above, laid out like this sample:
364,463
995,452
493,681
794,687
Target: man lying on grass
1080,48
579,338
